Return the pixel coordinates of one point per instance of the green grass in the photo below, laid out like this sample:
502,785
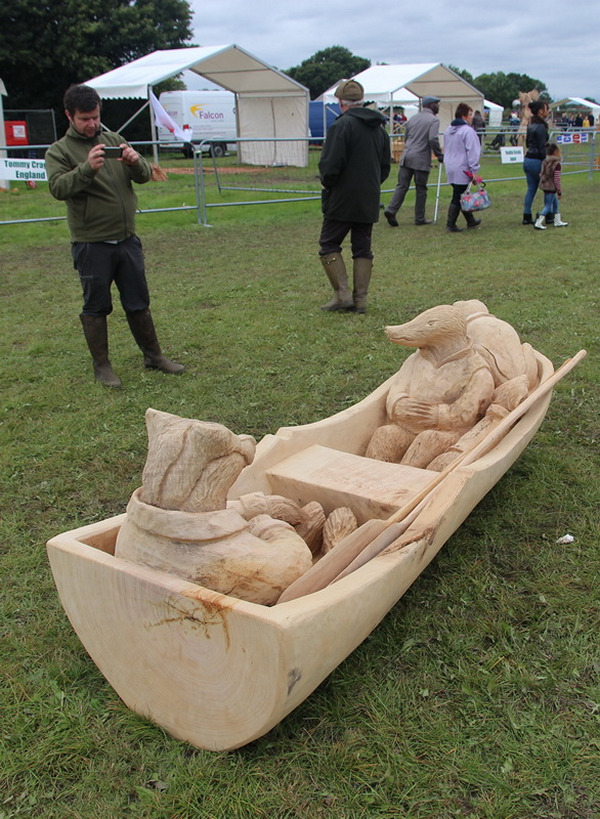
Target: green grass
477,697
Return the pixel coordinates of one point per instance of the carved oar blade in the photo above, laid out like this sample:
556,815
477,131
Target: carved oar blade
331,564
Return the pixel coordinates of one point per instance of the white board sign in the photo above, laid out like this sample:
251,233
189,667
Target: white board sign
23,169
511,155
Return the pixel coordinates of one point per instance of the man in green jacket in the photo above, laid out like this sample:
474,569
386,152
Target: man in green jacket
354,162
101,206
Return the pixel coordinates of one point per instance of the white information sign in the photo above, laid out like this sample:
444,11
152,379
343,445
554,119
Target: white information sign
511,155
23,169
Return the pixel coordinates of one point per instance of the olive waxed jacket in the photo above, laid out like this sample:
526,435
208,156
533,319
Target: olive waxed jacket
101,204
354,162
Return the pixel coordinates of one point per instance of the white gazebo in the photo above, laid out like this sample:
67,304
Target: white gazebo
269,104
401,85
580,103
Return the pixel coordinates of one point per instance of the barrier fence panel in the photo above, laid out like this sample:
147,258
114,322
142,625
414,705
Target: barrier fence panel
295,183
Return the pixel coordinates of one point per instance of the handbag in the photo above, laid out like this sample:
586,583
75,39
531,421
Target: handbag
475,200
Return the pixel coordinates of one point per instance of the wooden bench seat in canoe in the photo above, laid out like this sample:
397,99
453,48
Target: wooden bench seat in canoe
372,489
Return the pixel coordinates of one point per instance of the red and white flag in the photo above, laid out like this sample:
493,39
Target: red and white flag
162,118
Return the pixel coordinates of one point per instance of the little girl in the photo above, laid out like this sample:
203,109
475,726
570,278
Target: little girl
550,184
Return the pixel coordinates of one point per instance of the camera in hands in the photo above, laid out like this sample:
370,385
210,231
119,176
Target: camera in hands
113,152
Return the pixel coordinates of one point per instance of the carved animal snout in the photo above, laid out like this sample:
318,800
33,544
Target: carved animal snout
428,328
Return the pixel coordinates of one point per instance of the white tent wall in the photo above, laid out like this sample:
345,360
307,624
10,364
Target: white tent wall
234,69
275,117
494,113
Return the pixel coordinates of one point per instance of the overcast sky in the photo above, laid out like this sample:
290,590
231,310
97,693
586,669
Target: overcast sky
555,41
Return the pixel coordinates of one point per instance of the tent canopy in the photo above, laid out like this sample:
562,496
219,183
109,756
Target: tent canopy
391,83
576,102
269,103
227,65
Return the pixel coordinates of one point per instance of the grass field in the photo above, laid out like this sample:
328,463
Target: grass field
478,696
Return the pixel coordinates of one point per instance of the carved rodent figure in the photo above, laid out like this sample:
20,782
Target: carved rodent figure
439,393
499,343
179,521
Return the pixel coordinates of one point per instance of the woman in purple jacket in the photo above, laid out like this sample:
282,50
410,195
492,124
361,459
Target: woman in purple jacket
462,150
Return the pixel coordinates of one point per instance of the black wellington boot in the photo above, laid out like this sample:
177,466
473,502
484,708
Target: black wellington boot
95,330
453,211
142,329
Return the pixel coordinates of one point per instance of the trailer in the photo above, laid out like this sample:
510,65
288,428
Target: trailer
204,115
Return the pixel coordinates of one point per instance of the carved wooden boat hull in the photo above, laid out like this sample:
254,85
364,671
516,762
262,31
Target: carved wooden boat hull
219,672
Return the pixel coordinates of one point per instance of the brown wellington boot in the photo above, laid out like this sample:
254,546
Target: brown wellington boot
362,276
142,329
95,331
334,266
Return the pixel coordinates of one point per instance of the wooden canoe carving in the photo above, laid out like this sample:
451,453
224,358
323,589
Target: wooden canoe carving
173,599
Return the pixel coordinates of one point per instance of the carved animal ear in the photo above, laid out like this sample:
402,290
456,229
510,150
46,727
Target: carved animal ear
157,421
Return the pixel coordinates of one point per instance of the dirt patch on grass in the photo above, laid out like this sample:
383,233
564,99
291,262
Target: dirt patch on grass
224,171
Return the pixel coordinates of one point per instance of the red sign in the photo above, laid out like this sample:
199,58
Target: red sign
16,132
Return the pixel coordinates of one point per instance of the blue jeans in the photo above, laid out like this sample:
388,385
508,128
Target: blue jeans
550,204
532,168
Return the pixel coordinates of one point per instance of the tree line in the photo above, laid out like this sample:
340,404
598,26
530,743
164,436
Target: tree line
45,47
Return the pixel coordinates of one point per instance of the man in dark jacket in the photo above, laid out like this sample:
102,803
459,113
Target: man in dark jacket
101,206
421,140
354,162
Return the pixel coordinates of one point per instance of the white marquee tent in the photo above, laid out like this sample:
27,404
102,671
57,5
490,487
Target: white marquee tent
400,84
577,102
269,104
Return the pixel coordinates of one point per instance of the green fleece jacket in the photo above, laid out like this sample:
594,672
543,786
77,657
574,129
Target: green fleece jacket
101,205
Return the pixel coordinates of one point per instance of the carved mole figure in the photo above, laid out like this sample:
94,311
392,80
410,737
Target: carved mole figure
439,393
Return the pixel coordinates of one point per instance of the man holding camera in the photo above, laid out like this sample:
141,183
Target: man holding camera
92,171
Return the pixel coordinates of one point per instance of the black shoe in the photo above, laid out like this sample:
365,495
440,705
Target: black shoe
391,219
425,222
453,229
475,223
527,219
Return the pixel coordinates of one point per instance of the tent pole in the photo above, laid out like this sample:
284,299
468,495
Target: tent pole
153,130
4,183
437,193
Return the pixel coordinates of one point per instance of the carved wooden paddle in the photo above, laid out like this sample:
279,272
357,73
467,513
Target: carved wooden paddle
376,535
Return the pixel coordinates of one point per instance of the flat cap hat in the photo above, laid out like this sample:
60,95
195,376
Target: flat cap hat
350,90
429,100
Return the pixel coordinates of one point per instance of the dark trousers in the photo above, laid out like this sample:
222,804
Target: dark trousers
99,264
405,175
333,234
457,192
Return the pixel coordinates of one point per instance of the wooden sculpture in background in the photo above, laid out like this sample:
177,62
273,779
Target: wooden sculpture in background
525,97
